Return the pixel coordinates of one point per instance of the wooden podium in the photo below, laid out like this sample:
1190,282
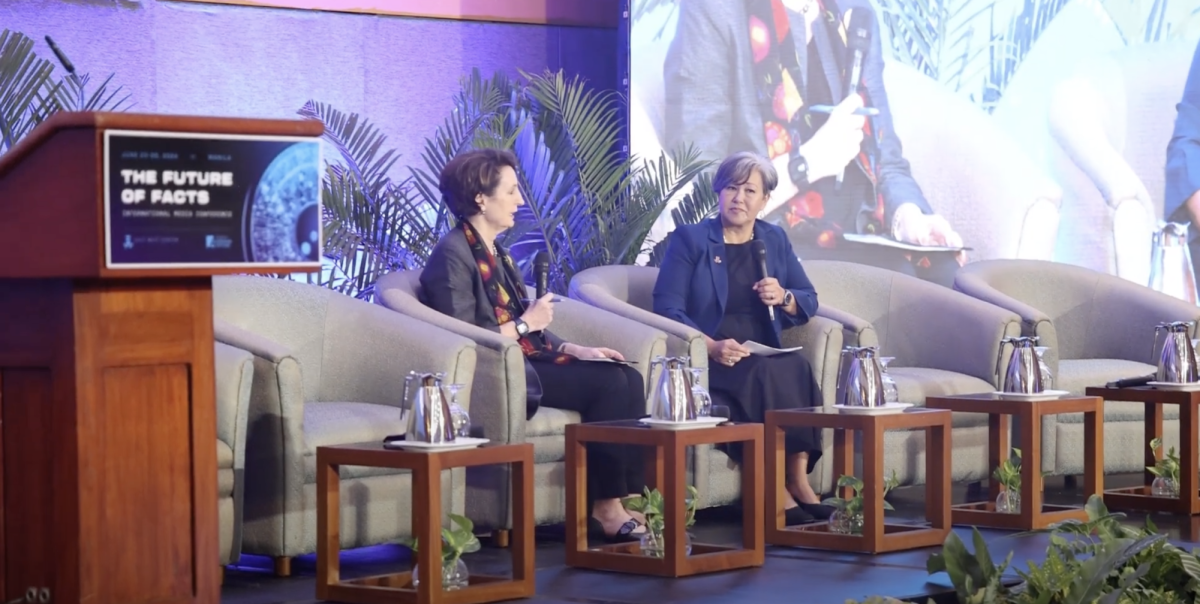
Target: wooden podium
107,446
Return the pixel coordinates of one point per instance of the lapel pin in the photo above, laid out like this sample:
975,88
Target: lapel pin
717,259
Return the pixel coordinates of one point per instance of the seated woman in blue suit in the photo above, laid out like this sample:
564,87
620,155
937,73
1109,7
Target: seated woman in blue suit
709,279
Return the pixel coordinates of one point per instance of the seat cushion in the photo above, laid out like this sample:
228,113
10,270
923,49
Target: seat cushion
546,431
224,469
1075,375
915,384
343,424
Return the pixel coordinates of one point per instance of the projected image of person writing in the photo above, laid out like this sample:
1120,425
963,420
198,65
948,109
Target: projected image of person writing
801,82
1182,201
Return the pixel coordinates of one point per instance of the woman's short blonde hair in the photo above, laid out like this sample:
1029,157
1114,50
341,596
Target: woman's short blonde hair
737,168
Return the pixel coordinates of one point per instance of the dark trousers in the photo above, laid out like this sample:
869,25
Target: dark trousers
600,392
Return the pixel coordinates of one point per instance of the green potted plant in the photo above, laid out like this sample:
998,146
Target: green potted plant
1165,470
650,504
457,540
847,518
1008,474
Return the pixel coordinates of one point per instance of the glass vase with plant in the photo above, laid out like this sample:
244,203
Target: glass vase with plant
1008,474
1165,471
457,540
847,518
651,505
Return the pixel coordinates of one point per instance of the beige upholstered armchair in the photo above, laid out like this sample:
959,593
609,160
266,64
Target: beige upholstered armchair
628,291
1098,328
234,369
328,370
498,400
943,342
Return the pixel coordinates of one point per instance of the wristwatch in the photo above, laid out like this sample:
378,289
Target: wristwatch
798,170
522,327
788,296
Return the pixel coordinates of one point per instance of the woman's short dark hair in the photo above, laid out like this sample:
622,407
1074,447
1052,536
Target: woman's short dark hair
468,175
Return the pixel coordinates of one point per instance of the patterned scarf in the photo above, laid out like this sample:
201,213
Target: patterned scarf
786,124
500,283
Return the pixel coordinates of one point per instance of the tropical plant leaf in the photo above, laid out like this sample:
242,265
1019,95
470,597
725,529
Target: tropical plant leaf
26,89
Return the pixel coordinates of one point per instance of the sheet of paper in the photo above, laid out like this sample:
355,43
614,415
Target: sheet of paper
767,351
889,242
604,360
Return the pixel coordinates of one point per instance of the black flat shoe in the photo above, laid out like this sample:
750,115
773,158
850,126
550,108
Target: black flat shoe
819,511
624,534
797,516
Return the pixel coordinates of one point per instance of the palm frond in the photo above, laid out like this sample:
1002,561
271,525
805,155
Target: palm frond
25,88
358,143
698,204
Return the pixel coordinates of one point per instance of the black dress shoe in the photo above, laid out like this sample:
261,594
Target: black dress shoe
797,516
624,534
819,511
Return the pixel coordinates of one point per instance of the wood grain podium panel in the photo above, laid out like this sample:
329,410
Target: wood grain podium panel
110,493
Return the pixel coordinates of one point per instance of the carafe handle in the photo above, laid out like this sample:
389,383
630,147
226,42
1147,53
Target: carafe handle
996,379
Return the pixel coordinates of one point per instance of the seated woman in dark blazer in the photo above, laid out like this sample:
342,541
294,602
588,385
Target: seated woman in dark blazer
709,279
471,278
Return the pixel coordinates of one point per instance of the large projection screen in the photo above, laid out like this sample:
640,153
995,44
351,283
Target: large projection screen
1032,128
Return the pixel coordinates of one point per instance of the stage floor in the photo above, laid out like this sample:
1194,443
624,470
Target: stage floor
789,575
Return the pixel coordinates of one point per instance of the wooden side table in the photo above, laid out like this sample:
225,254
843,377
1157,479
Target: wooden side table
1139,498
666,470
878,535
426,470
1034,514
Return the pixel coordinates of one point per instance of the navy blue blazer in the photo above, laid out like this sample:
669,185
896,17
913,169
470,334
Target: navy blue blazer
693,286
1183,152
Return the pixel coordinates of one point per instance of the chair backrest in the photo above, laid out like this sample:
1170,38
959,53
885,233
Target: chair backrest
1082,304
863,291
630,284
287,312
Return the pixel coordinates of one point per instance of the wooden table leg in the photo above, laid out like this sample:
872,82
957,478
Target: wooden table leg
328,525
998,448
1154,429
523,546
427,521
775,461
752,491
873,485
1031,464
937,477
577,512
674,494
1188,435
1093,452
843,459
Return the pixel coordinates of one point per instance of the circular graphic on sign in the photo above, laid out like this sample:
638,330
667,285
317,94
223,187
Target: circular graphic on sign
284,213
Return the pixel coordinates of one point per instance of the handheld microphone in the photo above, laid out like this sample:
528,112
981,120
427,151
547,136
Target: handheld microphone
541,272
858,40
760,255
1130,382
62,57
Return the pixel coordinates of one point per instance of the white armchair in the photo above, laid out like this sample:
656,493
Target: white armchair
234,370
328,370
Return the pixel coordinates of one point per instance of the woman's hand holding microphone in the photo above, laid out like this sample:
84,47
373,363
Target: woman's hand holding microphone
540,314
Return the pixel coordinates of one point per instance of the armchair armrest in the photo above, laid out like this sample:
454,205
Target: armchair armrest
1033,321
935,327
257,345
1139,309
234,372
681,339
498,389
855,331
587,325
822,340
